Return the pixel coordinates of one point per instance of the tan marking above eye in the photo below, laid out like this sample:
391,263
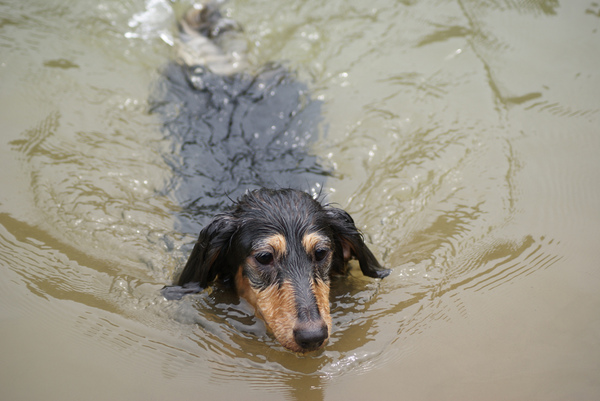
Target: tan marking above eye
313,241
275,242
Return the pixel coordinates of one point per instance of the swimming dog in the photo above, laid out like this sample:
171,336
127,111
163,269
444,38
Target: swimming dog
277,247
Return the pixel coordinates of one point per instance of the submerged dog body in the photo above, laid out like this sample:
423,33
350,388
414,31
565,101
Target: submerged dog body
277,248
231,128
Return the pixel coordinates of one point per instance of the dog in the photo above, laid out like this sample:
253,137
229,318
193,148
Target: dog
276,247
279,247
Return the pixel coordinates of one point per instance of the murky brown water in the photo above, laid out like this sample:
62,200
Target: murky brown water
465,138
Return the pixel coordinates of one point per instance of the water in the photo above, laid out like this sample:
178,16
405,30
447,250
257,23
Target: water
463,137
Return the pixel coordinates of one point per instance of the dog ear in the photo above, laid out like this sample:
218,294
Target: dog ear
208,258
352,244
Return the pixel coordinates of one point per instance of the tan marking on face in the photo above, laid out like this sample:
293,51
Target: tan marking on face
277,242
312,240
321,291
277,305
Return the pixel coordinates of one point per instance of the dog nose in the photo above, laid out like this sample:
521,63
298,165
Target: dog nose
310,336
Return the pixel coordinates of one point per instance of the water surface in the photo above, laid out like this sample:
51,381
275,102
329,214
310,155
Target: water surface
463,136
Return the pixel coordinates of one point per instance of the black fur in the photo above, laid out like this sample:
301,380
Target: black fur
230,237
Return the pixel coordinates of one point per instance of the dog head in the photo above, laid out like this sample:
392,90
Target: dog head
279,248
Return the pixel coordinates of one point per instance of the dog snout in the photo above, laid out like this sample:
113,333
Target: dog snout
311,336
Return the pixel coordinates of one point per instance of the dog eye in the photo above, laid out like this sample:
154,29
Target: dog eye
264,258
321,254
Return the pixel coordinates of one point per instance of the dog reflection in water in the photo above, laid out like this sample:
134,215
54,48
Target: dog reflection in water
277,247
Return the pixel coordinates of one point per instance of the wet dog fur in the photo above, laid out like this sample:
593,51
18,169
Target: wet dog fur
276,247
